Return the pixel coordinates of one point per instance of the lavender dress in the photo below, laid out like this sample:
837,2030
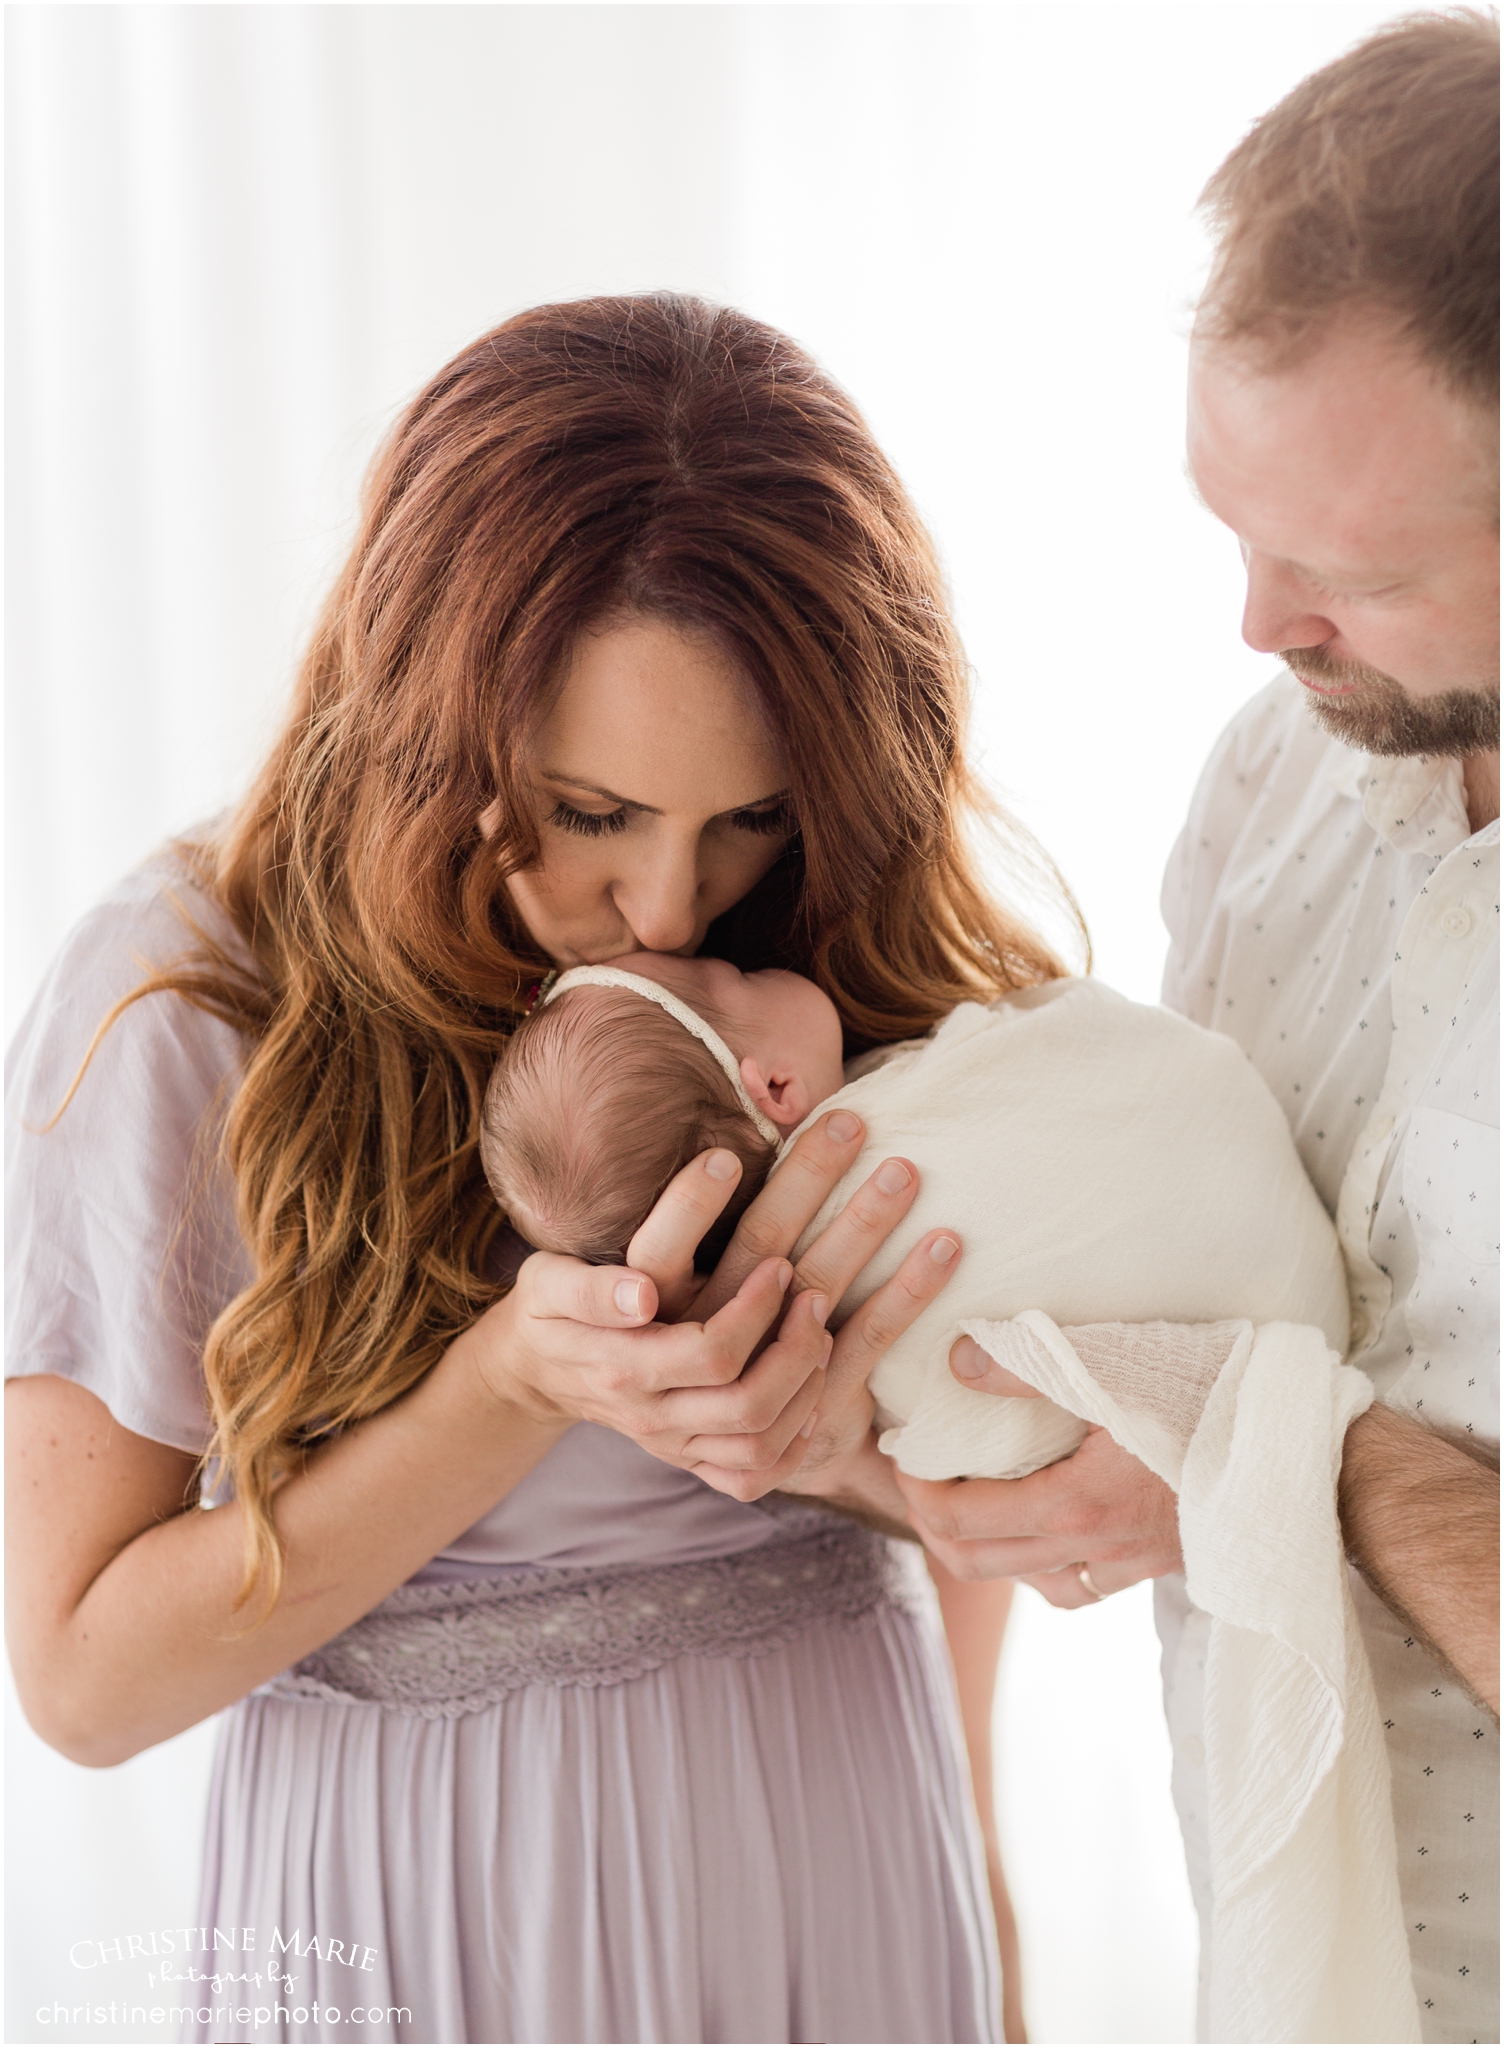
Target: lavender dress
629,1762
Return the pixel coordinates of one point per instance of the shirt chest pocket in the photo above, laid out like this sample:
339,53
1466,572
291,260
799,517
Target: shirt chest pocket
1451,1179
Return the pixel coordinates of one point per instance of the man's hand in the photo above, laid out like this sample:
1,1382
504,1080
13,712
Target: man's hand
1100,1507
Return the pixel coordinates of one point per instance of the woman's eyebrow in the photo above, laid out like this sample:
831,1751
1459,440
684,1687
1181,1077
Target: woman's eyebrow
611,796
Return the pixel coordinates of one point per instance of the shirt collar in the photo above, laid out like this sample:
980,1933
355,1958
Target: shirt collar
1414,801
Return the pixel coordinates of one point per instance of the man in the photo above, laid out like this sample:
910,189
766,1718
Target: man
1333,905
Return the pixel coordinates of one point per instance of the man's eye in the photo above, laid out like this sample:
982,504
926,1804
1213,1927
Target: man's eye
1353,596
589,824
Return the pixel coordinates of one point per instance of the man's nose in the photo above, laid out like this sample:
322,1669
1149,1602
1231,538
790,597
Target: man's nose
660,902
1278,612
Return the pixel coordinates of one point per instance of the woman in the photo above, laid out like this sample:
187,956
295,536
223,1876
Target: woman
533,1735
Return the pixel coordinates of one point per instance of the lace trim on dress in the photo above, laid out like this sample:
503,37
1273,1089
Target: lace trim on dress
442,1651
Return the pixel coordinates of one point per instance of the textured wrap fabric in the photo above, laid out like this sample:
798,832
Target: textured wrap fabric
1162,1370
1308,1939
1102,1161
440,1650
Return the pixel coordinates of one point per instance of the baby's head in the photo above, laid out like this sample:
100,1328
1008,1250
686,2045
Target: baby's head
602,1095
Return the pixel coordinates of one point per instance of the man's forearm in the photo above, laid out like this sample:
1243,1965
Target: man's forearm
1421,1522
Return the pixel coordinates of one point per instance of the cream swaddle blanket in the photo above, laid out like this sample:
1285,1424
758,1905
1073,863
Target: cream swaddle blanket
1105,1162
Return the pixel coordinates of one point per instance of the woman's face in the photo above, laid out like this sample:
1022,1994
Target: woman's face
659,796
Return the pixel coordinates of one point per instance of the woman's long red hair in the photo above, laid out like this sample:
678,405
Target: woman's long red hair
653,455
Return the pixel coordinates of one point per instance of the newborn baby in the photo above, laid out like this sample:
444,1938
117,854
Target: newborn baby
1103,1162
1143,1248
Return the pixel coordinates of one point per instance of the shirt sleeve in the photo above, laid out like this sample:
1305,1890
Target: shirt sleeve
122,1246
1236,771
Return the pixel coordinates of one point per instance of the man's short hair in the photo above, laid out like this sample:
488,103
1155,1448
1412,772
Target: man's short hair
1374,185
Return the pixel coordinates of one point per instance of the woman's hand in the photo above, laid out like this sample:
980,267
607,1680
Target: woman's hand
581,1342
842,1433
837,1459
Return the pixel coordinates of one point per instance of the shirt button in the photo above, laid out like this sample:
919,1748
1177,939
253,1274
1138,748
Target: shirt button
1193,1750
1457,922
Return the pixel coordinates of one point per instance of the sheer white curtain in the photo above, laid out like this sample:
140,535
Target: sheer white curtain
242,235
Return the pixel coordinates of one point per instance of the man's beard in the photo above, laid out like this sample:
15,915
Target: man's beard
1382,718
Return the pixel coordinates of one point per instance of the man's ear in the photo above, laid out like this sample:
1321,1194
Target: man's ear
783,1098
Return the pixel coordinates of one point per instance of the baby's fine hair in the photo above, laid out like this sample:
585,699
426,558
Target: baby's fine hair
598,1100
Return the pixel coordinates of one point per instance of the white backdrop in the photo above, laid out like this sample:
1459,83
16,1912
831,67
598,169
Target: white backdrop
241,237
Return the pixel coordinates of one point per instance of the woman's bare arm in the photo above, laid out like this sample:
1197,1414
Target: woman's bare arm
123,1619
121,1609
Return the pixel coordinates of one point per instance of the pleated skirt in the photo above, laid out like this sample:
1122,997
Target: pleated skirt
770,1848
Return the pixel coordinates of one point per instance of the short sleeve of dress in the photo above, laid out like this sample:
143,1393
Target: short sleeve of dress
122,1245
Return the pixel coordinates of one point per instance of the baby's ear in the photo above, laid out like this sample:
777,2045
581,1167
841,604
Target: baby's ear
783,1100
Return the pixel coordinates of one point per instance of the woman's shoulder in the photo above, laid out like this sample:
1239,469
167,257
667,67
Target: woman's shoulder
151,919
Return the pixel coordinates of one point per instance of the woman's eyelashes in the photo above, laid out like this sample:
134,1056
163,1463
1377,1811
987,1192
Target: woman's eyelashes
589,824
595,824
779,819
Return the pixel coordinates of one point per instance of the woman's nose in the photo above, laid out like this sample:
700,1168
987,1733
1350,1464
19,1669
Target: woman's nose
660,902
1277,612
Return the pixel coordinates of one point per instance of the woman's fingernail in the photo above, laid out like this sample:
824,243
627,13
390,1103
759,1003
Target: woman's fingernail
830,1345
843,1127
943,1250
628,1297
894,1177
819,1308
785,1274
722,1165
808,1429
970,1360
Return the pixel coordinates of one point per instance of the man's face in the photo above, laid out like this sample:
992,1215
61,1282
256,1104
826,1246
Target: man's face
1365,500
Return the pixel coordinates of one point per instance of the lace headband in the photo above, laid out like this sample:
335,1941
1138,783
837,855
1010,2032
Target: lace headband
715,1045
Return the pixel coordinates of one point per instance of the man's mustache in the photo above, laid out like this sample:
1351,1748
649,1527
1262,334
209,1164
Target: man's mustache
1316,665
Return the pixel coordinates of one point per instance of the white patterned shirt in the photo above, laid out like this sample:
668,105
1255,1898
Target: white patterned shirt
1335,914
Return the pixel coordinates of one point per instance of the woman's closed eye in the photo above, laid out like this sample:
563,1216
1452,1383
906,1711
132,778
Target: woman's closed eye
594,824
779,819
589,824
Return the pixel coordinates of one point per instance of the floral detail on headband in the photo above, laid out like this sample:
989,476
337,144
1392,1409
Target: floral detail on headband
538,993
